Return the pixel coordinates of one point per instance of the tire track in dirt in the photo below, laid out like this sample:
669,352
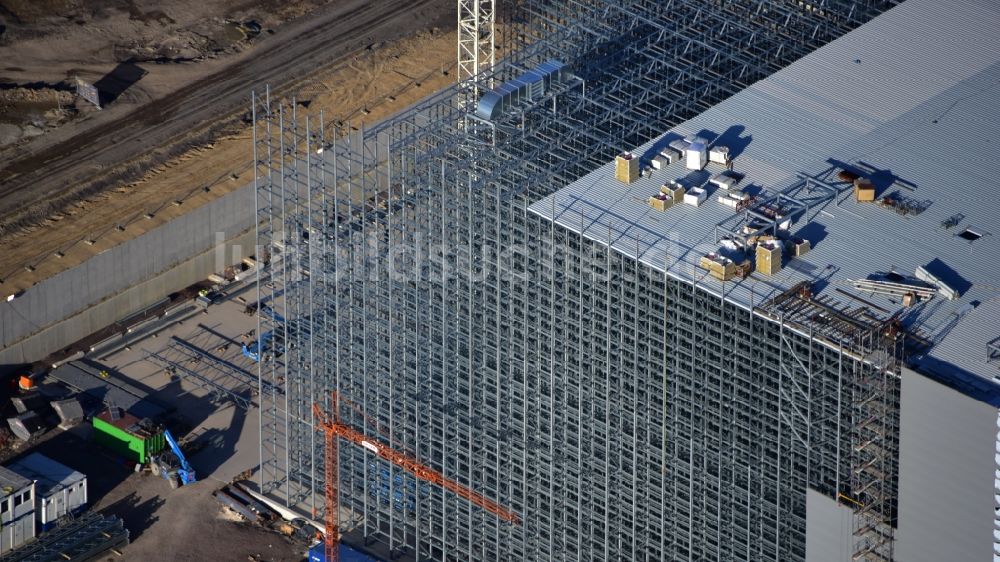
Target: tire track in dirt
293,52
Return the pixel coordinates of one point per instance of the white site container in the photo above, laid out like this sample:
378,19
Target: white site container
17,510
697,156
695,196
58,488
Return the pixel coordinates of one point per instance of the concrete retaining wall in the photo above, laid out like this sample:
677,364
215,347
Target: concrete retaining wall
127,278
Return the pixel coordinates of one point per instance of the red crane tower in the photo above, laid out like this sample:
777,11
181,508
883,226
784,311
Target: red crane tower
334,428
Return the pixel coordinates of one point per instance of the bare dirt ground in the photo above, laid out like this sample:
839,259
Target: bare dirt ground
128,169
189,526
165,525
46,44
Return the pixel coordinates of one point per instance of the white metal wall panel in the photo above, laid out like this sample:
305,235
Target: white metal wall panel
946,474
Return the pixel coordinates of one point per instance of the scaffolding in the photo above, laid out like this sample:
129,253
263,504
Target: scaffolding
560,379
875,347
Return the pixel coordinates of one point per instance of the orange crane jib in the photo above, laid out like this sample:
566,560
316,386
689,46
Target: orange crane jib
334,429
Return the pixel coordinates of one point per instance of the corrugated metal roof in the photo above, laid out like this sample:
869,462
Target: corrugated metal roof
916,93
12,480
965,344
49,475
86,378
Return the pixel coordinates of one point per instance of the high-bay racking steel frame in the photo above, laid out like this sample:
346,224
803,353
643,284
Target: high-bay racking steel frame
622,414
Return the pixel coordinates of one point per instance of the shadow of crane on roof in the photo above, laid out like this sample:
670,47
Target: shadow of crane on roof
731,139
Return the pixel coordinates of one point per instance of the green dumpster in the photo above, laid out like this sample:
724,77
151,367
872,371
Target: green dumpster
128,436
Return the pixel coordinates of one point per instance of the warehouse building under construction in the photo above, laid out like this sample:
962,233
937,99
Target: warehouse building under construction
672,281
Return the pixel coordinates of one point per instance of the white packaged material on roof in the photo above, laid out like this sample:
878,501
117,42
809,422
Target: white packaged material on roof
719,154
680,145
670,154
725,180
946,291
695,196
697,156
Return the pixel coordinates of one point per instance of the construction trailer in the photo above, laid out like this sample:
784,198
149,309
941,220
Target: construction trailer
17,510
59,490
128,436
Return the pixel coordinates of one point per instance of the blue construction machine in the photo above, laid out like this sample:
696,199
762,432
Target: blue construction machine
267,343
173,466
257,348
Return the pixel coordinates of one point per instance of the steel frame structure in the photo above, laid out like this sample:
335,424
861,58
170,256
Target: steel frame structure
624,414
208,381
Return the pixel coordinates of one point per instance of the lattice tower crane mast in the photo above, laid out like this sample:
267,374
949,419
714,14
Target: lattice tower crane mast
476,40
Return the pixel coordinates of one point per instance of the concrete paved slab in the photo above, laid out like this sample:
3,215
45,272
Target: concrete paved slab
226,437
